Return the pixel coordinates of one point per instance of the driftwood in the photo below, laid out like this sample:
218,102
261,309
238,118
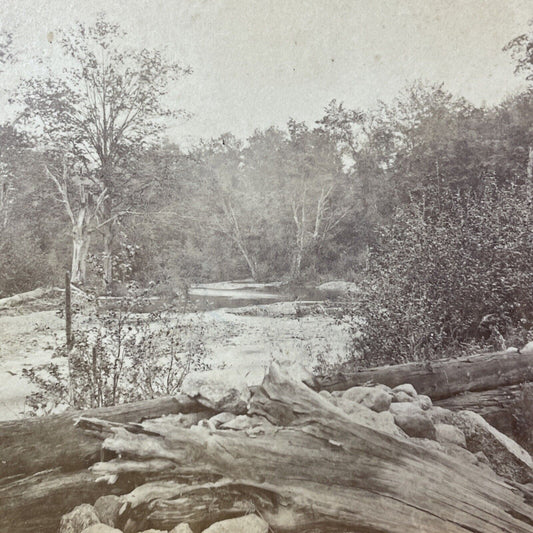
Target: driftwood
443,378
312,468
29,446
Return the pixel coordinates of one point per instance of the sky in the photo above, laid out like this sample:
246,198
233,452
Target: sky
258,62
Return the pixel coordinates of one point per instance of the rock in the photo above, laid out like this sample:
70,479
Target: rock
328,396
511,349
79,519
181,528
221,390
506,457
245,524
528,348
154,531
221,418
439,415
409,417
107,508
101,528
405,387
402,396
405,408
343,287
360,414
247,422
424,402
374,398
448,434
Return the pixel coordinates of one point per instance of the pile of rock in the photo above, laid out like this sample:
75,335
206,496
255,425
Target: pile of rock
104,515
402,412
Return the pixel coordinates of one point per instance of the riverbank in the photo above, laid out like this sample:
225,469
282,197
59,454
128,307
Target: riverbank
246,339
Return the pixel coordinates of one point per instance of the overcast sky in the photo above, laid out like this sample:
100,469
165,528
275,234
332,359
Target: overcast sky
259,62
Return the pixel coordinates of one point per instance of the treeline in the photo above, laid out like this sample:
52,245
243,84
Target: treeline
425,201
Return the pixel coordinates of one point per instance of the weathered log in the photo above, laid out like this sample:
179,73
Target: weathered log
496,406
33,445
316,464
443,378
35,504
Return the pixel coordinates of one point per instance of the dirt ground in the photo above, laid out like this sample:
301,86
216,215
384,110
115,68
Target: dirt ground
247,341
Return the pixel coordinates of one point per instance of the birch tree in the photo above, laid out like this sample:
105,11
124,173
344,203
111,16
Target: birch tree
105,104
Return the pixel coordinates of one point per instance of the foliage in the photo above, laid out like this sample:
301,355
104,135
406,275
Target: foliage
442,266
122,355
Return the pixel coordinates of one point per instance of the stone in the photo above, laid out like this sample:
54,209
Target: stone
528,348
246,422
405,387
402,396
245,524
220,390
80,518
405,408
424,402
181,528
374,398
107,508
383,422
448,434
222,418
505,456
101,528
154,531
413,421
328,396
440,415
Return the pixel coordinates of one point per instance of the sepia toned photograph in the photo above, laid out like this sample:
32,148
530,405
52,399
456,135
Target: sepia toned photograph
266,266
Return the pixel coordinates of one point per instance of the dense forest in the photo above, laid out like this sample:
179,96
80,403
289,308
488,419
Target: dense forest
424,202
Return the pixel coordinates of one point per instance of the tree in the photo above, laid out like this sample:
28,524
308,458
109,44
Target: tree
107,103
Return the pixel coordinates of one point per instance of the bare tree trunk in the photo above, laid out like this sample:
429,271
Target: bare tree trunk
80,249
108,256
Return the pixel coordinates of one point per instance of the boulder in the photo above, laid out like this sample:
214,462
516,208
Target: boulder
243,422
181,528
360,414
221,390
401,396
448,434
405,408
221,418
439,415
101,528
405,387
79,519
107,508
374,398
528,348
409,417
424,402
328,396
506,457
245,524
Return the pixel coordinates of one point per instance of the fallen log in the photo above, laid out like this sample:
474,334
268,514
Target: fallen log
496,406
442,378
33,445
312,469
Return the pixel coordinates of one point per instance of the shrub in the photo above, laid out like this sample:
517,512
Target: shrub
438,269
122,355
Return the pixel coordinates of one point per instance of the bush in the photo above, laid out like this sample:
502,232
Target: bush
122,356
438,270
